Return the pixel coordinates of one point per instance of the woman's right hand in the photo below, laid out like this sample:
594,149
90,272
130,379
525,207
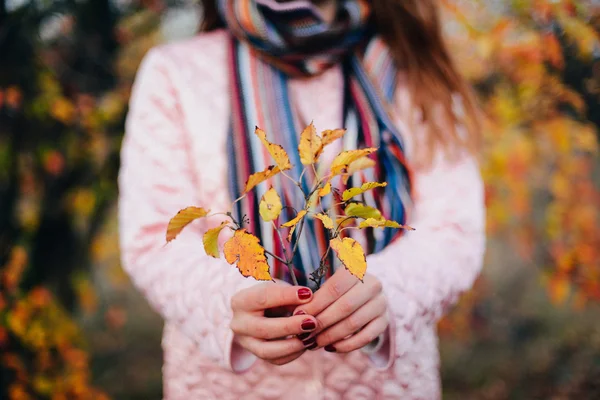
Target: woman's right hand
271,339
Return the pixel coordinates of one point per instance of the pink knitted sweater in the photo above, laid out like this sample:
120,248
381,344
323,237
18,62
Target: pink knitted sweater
174,156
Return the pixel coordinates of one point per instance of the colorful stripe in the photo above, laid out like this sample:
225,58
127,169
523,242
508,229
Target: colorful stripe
262,57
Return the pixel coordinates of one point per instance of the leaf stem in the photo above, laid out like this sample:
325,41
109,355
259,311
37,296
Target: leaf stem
276,257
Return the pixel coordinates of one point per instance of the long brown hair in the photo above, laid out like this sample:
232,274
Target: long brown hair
412,30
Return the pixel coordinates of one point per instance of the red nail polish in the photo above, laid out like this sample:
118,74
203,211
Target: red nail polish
308,325
312,347
329,348
304,293
310,342
300,312
303,336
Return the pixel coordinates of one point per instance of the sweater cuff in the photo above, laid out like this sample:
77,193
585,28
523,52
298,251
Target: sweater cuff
381,350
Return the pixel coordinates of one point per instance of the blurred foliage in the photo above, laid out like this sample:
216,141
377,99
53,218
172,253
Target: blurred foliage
65,77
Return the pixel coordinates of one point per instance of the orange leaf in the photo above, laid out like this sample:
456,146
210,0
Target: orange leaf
351,254
245,250
310,145
383,223
261,176
182,219
270,205
350,193
292,223
325,190
277,152
211,240
327,222
345,158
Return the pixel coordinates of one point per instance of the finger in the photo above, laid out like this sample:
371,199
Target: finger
262,297
357,297
287,359
332,289
272,328
353,323
271,350
362,338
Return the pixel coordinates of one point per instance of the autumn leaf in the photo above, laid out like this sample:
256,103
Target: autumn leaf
362,211
261,176
331,135
383,223
345,158
310,145
344,221
325,190
350,193
358,165
182,219
245,251
211,240
351,254
270,205
292,223
277,152
327,222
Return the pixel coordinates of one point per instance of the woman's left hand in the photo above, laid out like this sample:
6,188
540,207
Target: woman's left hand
350,314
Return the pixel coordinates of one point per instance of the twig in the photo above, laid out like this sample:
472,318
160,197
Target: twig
276,257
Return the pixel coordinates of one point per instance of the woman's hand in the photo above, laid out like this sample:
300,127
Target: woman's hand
350,314
271,339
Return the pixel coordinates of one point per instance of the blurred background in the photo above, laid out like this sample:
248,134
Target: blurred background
72,326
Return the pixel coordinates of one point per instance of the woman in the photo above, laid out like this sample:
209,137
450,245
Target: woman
378,68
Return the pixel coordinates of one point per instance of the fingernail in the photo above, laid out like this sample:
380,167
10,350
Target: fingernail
303,336
304,293
308,325
300,312
310,342
329,348
313,346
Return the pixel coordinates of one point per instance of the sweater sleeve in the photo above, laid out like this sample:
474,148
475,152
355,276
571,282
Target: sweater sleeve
424,271
188,288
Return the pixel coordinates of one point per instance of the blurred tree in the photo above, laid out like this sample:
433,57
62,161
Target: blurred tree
62,107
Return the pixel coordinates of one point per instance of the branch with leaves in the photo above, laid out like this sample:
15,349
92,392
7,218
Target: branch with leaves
245,250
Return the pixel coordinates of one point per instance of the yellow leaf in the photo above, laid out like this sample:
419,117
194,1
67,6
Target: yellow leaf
362,211
325,190
245,250
350,193
382,223
277,152
358,165
310,145
331,135
327,222
292,224
211,240
351,254
182,219
261,176
344,221
345,158
270,205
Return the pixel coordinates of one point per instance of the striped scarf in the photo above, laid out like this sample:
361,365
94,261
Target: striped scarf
273,41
